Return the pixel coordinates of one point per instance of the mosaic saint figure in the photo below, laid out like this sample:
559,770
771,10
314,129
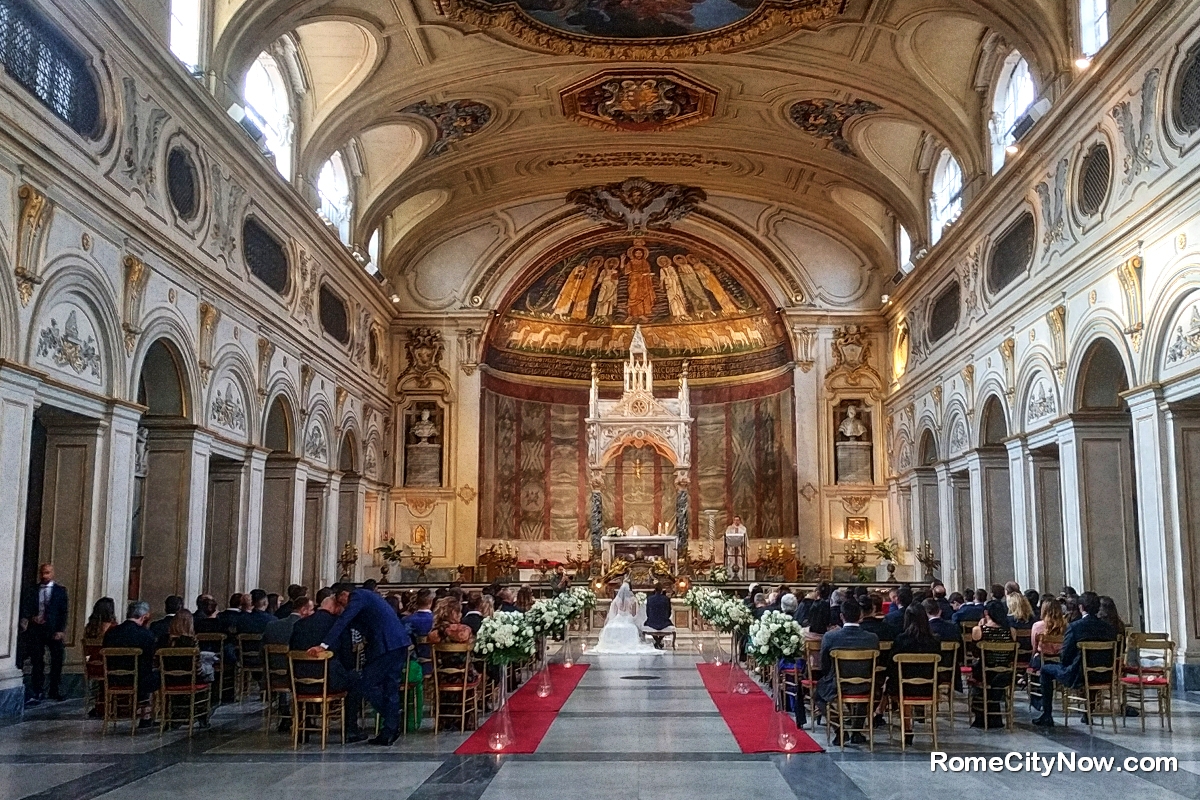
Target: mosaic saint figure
672,288
583,295
713,285
641,282
566,295
606,302
692,286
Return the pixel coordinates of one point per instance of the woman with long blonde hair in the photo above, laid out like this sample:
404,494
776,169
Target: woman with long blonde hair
1020,614
1052,623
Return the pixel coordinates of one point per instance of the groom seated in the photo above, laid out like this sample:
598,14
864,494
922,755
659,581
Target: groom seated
658,617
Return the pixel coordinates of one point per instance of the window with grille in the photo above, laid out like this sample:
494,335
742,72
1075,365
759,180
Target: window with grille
1012,254
943,314
1187,93
42,61
334,319
1094,177
182,183
264,256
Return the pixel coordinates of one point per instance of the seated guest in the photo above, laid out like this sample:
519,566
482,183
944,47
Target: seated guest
997,592
505,599
133,632
849,637
993,627
1108,613
393,600
750,593
257,620
972,611
229,616
871,621
370,584
819,596
1020,615
1052,623
183,634
205,619
788,604
103,617
956,601
915,638
1012,587
487,606
524,600
473,617
273,603
760,606
420,623
279,631
895,616
293,591
1088,628
313,631
943,629
939,594
1070,604
658,613
160,626
1035,599
447,622
820,620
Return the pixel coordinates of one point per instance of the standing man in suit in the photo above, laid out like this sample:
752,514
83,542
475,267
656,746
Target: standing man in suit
387,651
1069,672
559,580
850,636
44,623
311,631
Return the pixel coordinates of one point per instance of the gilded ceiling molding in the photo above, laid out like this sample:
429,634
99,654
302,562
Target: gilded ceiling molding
137,275
32,224
645,100
1056,319
453,121
209,316
1130,276
826,119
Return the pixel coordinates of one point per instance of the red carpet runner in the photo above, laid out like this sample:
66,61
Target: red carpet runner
749,715
531,715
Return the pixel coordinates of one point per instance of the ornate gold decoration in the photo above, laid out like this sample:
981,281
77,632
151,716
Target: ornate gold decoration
654,100
637,204
968,378
137,275
420,505
32,223
468,350
209,315
936,393
806,344
339,401
642,158
900,351
466,493
347,560
855,503
1056,319
773,17
1130,276
1008,352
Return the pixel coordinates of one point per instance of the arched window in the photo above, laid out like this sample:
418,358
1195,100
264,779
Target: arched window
1015,93
1093,25
372,266
333,192
186,26
945,204
266,96
904,255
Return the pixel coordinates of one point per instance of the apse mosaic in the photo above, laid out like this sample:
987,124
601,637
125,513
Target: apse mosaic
687,299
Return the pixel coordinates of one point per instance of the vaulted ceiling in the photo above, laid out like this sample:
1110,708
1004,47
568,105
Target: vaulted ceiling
916,63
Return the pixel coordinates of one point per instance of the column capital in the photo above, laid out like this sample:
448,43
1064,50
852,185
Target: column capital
1144,400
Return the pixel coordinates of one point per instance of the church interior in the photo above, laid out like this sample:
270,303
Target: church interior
786,310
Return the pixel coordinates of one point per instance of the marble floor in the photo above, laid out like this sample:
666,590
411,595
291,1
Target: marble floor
634,728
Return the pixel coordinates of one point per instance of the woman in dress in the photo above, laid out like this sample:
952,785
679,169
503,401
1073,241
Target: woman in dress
993,627
622,633
524,600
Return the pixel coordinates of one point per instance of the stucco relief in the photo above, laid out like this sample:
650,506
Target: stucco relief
67,343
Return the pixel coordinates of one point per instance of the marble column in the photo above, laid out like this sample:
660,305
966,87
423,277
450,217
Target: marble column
17,403
991,515
1045,521
352,498
1181,516
332,544
250,544
1161,540
596,518
962,573
947,544
927,518
682,514
1020,551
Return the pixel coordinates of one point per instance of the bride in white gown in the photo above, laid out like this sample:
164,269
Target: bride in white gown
622,632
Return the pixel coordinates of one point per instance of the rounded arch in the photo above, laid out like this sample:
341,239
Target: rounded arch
348,459
279,425
1101,328
81,284
635,439
958,423
10,332
1039,393
928,453
1164,303
230,365
1102,378
162,388
166,331
993,422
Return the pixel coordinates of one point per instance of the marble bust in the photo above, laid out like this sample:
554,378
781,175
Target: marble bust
852,427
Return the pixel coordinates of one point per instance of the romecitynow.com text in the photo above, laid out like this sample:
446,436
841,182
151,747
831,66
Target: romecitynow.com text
1047,765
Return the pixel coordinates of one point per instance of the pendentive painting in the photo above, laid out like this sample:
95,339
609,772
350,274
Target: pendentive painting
687,298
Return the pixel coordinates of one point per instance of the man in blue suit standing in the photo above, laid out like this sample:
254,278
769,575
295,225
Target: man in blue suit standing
1069,672
387,650
44,623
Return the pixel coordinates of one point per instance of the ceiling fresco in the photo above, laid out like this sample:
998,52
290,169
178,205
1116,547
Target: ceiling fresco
583,304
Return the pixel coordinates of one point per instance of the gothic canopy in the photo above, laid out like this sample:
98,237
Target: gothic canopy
582,303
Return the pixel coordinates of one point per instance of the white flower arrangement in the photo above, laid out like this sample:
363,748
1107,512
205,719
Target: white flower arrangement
773,637
505,637
546,616
726,614
614,532
584,595
719,574
641,599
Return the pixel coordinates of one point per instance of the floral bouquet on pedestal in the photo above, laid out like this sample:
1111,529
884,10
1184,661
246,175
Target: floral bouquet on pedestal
697,595
584,595
505,638
545,617
774,637
726,614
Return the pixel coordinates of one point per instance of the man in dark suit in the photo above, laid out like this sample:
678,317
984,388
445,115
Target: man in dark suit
229,616
279,631
850,636
471,617
133,632
872,622
313,632
205,619
259,618
161,627
658,614
1069,672
293,591
943,629
387,651
44,623
939,594
504,600
895,615
971,611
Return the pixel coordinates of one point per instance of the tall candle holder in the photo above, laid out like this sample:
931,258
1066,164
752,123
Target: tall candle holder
855,554
928,560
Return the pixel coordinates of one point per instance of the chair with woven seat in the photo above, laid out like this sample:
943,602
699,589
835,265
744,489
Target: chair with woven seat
1099,671
120,685
996,682
182,697
1033,675
93,676
1024,653
279,680
1149,678
312,698
812,674
251,666
215,643
455,687
947,672
917,675
855,678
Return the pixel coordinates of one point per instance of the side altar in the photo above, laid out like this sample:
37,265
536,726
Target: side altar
639,548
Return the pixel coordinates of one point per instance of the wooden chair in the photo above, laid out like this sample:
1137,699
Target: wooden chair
947,672
279,679
179,673
120,685
1033,677
1024,652
311,696
970,651
997,681
812,674
917,674
882,665
251,666
453,681
855,677
1100,672
1149,681
93,676
215,643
